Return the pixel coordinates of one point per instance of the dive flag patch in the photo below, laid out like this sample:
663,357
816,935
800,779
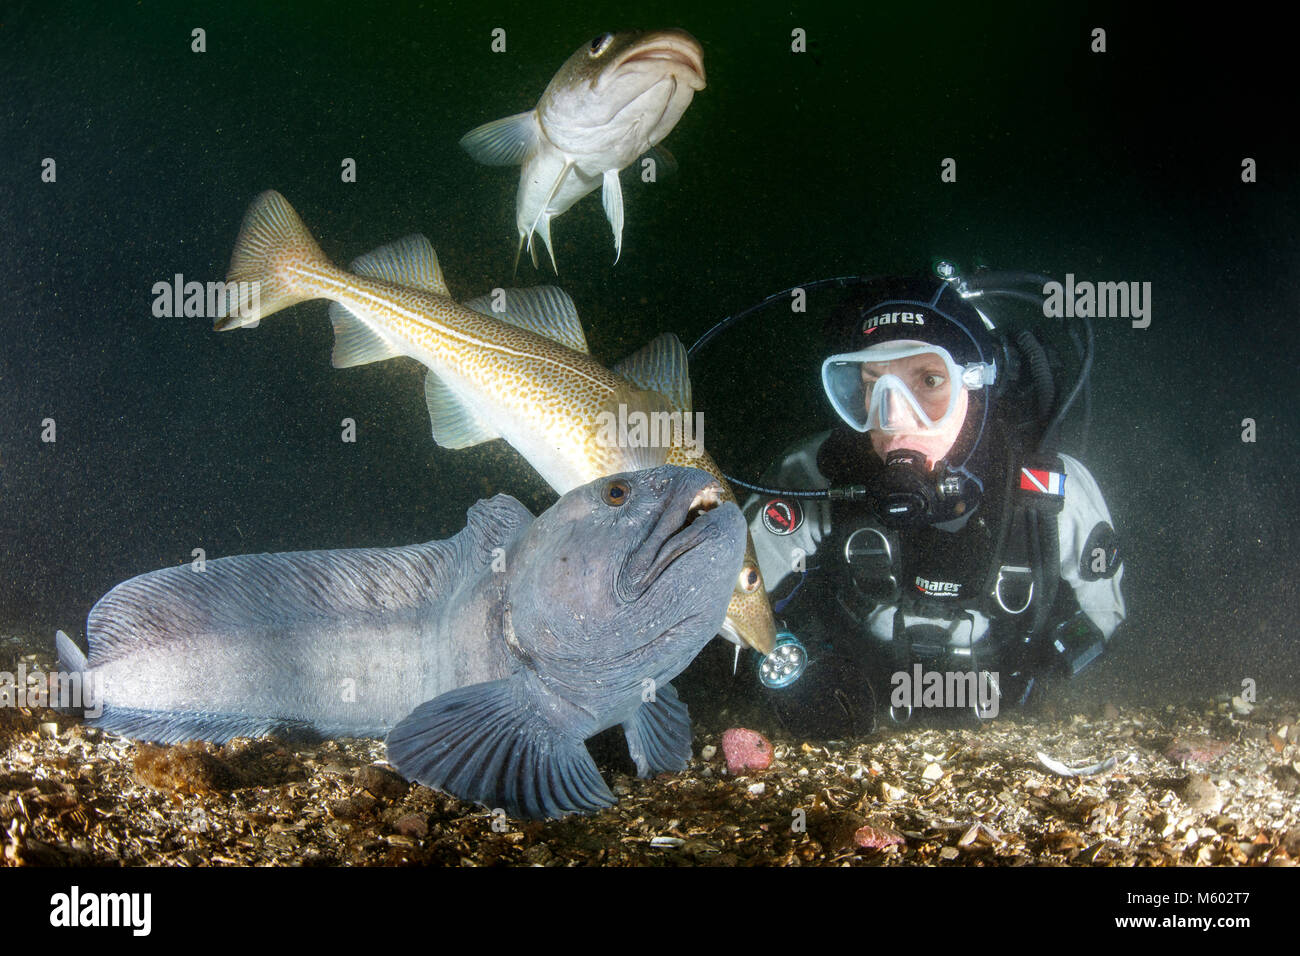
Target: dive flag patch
1042,481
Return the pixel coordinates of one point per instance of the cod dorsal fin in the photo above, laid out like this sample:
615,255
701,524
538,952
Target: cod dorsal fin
630,431
455,424
356,343
660,367
544,310
410,262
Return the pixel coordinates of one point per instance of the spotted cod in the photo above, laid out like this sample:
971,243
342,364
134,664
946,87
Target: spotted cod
613,100
487,658
521,373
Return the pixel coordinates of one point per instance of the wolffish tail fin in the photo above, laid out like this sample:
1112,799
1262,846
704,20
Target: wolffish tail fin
272,248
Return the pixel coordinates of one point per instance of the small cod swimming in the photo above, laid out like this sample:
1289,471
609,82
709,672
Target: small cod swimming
519,372
614,99
487,658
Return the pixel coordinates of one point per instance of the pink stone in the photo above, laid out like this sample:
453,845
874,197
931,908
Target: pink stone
746,750
877,838
1195,748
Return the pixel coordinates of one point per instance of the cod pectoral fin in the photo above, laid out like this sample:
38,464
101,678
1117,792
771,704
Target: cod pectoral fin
503,142
665,163
611,197
659,734
490,744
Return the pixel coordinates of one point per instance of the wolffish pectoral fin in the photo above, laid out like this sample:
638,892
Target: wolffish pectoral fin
659,734
611,196
490,743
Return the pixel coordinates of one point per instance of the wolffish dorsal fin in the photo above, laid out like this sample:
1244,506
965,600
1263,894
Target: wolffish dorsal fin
544,310
252,598
660,367
455,424
410,261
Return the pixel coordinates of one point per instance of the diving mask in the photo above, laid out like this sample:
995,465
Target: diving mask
901,387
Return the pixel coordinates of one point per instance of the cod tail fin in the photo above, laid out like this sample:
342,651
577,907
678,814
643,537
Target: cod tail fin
272,250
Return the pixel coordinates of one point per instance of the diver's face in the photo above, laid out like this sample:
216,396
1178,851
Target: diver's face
926,376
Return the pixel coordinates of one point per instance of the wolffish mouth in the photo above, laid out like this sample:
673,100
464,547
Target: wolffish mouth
682,540
678,532
706,499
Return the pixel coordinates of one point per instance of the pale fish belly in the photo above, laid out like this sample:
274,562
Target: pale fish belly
343,680
536,179
533,412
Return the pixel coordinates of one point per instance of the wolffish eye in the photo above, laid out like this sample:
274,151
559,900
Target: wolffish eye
749,579
599,44
616,493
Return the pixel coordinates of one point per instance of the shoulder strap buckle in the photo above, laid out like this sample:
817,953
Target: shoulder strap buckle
1021,580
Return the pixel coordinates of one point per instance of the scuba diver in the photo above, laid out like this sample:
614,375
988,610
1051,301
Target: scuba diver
936,528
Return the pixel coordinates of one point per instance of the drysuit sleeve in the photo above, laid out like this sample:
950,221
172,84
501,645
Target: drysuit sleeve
1090,558
792,531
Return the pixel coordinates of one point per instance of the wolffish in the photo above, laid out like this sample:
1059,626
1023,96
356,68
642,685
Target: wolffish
487,658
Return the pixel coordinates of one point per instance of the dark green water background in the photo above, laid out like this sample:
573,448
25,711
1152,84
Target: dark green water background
1123,166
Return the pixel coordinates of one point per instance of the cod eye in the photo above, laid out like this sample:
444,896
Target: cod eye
749,579
599,44
616,492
